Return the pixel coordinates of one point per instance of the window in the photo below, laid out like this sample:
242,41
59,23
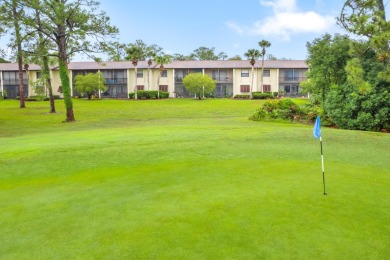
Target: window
39,75
245,88
266,73
163,88
59,90
140,87
140,73
266,88
164,74
291,75
245,73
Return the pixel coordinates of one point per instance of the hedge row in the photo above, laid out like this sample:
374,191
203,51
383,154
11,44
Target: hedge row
149,94
264,95
258,95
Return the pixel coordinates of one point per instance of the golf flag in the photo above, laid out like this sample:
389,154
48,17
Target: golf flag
317,134
317,128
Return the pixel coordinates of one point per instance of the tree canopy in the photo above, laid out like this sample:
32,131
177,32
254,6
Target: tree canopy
89,84
199,84
327,58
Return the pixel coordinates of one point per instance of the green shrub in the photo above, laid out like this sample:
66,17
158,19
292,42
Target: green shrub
258,115
284,109
149,94
242,96
37,98
262,95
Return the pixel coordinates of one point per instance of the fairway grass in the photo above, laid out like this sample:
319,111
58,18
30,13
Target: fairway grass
186,179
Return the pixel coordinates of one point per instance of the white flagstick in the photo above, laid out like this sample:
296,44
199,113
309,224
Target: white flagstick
323,168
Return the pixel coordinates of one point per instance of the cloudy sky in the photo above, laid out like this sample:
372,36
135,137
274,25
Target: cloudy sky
230,26
181,26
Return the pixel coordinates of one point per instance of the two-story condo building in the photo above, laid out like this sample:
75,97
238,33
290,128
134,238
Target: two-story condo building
232,77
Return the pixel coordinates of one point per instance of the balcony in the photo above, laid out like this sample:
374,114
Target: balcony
116,81
222,79
291,79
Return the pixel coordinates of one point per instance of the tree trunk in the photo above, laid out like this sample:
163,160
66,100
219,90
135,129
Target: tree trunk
135,82
261,76
46,74
63,66
18,39
45,64
381,8
251,94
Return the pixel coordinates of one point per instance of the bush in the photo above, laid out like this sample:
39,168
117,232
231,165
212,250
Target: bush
262,95
149,94
284,109
258,115
36,98
242,96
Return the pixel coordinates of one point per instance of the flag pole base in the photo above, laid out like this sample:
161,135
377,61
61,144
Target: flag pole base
325,193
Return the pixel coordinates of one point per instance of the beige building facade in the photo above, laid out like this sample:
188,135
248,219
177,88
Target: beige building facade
121,78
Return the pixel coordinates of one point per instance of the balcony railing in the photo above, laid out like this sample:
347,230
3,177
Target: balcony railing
291,79
116,81
13,82
223,79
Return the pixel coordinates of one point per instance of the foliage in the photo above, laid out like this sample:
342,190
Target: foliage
204,53
368,18
199,84
90,83
12,21
236,57
252,55
242,96
284,109
71,25
354,110
149,94
327,58
262,95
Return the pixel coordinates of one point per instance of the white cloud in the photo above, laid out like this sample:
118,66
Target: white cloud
285,21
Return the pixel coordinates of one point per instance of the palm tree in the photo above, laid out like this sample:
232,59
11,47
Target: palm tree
253,55
263,44
150,53
161,60
134,54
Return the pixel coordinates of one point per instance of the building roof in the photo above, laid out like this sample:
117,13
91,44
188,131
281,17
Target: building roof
193,64
14,67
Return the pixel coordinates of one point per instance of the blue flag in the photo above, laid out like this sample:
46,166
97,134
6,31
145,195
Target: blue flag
317,128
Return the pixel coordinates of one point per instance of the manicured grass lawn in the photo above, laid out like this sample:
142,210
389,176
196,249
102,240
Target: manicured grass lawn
186,179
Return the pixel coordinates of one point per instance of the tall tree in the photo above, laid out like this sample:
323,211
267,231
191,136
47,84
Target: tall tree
236,57
11,15
161,60
135,54
37,48
327,58
204,53
116,51
368,18
222,56
70,24
252,55
177,56
263,44
151,52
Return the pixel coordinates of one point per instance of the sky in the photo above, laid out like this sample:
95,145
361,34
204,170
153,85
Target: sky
233,27
230,26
